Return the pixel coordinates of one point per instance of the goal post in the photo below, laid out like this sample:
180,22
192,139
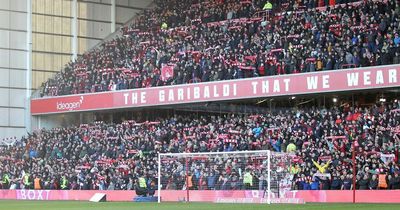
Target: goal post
233,177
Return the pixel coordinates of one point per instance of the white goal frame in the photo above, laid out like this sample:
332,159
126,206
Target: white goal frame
266,152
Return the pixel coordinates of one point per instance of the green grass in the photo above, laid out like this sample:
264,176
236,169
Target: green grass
76,205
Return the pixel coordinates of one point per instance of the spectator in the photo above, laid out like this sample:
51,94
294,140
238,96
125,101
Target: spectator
203,46
114,156
373,183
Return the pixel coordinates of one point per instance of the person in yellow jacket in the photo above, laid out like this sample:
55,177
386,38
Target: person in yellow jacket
322,168
141,186
64,183
26,181
248,180
164,26
267,6
291,147
294,169
6,181
142,182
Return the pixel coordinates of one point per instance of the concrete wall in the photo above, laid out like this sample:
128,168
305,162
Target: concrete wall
51,23
13,67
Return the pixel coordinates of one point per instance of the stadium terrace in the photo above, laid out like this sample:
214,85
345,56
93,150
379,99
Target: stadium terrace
216,101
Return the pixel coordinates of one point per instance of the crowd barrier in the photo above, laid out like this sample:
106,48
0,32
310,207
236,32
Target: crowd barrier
253,196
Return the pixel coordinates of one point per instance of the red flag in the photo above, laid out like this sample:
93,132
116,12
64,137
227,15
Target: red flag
167,71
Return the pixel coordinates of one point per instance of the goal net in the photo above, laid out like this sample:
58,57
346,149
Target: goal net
232,177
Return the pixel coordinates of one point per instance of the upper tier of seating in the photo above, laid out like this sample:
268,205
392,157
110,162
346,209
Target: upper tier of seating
182,42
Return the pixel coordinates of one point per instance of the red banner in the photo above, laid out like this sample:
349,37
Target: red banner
231,196
167,71
292,84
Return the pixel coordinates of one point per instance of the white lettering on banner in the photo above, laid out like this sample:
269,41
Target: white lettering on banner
161,95
31,194
286,81
206,91
196,93
312,83
134,98
367,78
225,89
254,84
171,95
325,81
188,93
23,196
392,76
255,193
379,77
69,105
352,79
34,194
277,86
126,95
216,94
143,97
265,86
40,195
180,94
202,92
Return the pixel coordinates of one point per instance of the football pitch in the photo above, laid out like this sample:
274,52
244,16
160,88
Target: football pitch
76,205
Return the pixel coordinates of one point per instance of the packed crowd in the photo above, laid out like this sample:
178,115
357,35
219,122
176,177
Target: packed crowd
192,41
114,156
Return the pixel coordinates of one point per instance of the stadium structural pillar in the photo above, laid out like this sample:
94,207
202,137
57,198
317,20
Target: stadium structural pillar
28,80
74,29
112,16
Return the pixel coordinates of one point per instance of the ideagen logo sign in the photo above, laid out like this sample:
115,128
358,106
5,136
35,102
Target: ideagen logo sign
61,106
